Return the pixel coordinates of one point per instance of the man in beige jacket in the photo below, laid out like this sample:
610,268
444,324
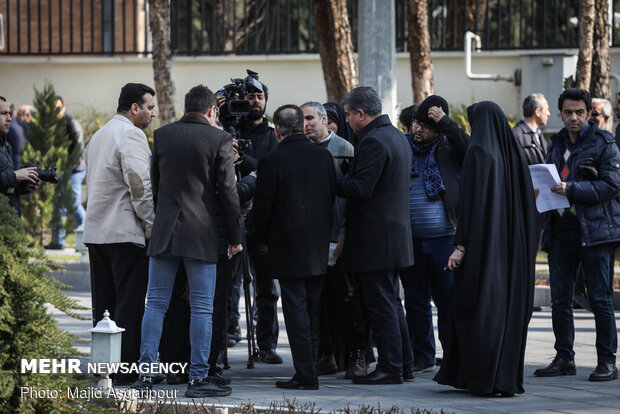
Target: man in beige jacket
119,217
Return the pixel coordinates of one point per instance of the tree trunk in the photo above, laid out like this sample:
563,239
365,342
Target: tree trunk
159,19
336,48
586,44
419,50
599,84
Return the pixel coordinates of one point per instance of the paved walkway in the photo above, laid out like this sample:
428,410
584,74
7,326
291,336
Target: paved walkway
574,394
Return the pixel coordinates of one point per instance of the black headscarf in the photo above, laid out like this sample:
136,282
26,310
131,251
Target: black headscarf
493,288
336,114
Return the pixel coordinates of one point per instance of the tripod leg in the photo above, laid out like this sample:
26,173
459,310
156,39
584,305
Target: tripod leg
247,283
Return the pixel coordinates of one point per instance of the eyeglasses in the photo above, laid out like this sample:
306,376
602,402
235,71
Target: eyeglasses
416,124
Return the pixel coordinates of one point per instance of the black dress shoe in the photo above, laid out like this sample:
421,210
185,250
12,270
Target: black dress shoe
269,356
605,371
379,377
295,384
557,367
177,378
408,374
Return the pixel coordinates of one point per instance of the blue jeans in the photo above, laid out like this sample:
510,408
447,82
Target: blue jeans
201,281
424,280
58,233
565,257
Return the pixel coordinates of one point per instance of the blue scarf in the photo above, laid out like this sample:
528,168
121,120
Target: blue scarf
433,183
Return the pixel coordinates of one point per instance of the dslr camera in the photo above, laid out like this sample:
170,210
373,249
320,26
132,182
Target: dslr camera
46,175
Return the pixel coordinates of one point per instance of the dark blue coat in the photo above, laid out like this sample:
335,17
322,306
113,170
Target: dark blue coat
597,202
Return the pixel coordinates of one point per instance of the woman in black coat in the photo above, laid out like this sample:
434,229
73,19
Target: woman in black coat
493,286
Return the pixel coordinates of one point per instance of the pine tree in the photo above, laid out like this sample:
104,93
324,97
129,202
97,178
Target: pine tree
48,147
26,329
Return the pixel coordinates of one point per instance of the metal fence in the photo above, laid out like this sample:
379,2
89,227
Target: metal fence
217,27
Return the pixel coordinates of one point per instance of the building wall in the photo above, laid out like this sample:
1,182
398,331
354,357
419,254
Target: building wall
85,82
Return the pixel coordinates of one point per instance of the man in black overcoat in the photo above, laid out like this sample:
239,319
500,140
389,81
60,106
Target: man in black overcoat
295,193
378,230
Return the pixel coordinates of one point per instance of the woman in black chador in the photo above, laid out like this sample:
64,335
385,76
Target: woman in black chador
493,285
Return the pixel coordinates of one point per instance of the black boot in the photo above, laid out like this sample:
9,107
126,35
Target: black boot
356,364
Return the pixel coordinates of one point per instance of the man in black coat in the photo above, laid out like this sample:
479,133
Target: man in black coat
192,177
295,193
378,230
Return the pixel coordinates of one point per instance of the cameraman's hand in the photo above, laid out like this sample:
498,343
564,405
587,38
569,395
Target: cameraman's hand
28,174
233,250
236,157
221,100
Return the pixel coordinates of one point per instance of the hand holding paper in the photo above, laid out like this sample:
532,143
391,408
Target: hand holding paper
544,178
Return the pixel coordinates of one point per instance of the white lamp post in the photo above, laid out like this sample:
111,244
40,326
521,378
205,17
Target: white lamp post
105,346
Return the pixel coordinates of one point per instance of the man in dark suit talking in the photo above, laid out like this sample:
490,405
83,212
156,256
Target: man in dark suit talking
192,176
295,193
377,240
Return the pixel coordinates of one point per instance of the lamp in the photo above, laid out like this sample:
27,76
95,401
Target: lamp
105,346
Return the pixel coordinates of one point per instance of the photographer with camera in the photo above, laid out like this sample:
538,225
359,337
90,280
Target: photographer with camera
242,105
13,182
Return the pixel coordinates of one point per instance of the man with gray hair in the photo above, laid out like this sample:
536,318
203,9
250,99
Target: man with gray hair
601,114
527,131
295,192
341,314
378,230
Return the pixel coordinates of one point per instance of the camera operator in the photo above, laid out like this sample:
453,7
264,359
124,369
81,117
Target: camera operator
254,127
13,182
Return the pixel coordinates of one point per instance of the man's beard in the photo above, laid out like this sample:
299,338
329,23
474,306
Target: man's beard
256,114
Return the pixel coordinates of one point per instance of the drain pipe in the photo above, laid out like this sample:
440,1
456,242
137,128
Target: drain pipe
469,38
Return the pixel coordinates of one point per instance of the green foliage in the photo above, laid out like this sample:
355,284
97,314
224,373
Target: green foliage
92,119
48,147
26,329
458,113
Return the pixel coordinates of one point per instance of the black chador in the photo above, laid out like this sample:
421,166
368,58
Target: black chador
493,288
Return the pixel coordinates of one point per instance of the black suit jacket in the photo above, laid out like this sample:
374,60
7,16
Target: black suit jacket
525,137
295,193
192,175
378,227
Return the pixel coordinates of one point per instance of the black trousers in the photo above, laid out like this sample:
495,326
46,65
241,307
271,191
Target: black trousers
343,324
118,280
380,294
301,306
223,284
267,329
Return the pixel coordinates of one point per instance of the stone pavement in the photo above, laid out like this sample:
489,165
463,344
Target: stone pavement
573,394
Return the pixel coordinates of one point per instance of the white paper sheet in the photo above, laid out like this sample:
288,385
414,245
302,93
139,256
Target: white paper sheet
544,177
